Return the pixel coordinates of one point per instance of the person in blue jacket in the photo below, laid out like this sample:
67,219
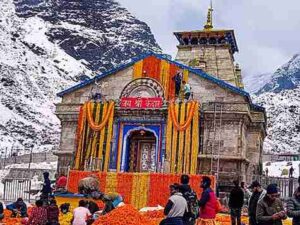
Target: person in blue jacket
18,207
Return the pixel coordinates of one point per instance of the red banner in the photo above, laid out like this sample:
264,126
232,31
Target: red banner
141,103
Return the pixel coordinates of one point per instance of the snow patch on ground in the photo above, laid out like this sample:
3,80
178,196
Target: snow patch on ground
43,165
275,168
35,182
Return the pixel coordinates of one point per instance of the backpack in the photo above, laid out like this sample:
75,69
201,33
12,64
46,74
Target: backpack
192,203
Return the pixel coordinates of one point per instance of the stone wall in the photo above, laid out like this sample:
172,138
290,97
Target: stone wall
205,91
111,87
36,158
218,61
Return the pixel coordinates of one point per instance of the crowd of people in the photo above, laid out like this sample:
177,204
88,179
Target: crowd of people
182,208
264,206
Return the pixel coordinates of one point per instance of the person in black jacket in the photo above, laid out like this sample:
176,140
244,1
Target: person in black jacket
46,190
178,79
236,201
1,211
257,194
184,186
190,196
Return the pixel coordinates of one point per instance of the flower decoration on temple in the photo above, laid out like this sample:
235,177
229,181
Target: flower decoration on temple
182,126
102,124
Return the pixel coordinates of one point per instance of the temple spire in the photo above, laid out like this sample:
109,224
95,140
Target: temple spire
209,23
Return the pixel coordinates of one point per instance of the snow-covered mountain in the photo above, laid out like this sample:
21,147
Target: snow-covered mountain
280,95
48,45
283,126
286,77
254,83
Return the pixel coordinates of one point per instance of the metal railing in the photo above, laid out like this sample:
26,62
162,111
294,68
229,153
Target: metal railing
286,186
16,188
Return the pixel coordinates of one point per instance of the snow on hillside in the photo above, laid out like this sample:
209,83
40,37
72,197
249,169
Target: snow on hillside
280,95
287,77
45,51
255,82
275,168
283,120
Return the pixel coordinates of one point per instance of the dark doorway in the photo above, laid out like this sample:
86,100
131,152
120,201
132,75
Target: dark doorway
142,151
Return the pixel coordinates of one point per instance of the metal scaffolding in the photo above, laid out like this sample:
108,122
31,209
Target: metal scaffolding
217,133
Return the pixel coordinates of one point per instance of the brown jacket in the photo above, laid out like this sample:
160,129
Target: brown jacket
265,209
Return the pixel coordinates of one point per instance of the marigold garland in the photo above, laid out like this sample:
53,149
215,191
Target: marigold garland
102,134
182,126
138,69
174,144
187,147
195,142
90,152
182,143
103,122
79,135
108,140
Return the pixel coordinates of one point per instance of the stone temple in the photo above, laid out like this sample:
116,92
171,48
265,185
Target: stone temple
130,119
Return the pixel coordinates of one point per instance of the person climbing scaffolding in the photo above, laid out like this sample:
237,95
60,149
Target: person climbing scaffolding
177,79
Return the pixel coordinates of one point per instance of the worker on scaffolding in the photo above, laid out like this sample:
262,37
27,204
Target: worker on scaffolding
186,90
177,79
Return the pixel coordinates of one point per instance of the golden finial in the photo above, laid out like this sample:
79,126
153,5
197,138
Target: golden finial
209,24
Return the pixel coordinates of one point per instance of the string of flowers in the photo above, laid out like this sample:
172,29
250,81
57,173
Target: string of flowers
79,135
184,125
103,122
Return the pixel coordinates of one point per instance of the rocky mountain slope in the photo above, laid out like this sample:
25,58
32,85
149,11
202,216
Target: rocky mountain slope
47,45
280,95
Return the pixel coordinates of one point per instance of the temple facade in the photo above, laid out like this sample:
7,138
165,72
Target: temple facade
130,119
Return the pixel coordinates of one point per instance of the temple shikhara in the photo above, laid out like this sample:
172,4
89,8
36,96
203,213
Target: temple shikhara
136,118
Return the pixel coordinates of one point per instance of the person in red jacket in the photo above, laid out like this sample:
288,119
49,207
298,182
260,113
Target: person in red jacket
61,183
208,204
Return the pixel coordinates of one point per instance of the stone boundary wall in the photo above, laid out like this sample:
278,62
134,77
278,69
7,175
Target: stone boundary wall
36,158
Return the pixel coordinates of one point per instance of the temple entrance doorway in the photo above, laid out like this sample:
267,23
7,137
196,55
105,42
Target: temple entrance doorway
142,151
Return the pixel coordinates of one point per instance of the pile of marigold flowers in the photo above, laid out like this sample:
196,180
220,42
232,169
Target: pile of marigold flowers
65,219
124,215
8,220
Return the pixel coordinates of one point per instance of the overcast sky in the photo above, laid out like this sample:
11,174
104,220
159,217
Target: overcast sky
267,31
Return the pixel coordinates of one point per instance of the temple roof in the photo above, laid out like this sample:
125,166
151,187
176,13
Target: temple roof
197,72
228,35
208,36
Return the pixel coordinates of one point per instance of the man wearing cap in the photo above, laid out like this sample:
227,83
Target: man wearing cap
257,194
270,209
